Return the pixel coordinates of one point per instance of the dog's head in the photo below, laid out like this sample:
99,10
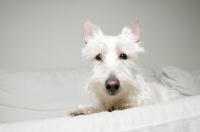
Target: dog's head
112,59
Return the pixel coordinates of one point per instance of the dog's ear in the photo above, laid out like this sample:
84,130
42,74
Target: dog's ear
135,29
90,30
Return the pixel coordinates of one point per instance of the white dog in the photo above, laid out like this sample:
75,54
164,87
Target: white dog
113,82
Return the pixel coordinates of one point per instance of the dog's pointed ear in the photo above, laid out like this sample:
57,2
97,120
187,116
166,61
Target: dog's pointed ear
135,29
90,30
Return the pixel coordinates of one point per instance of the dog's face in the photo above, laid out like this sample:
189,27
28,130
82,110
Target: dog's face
112,59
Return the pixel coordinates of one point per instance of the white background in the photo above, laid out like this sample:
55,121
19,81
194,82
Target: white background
49,34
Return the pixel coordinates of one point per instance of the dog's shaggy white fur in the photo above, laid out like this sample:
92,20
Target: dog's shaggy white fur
113,82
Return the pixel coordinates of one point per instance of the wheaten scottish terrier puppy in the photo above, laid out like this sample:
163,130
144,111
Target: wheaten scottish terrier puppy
113,82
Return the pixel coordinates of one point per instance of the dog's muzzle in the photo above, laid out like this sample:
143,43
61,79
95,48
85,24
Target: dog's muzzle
112,85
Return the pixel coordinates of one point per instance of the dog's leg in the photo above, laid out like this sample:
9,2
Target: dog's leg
82,111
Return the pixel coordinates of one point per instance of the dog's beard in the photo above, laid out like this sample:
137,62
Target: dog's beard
128,90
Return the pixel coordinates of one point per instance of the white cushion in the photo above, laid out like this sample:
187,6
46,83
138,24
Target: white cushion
148,73
44,93
187,82
40,93
181,115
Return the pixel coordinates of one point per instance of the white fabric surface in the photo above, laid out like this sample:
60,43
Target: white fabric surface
40,93
33,94
27,94
186,82
148,73
181,115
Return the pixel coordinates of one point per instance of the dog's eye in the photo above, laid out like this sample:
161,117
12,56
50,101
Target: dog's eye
123,56
99,57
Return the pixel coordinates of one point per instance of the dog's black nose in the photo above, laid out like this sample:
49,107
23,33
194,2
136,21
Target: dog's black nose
112,85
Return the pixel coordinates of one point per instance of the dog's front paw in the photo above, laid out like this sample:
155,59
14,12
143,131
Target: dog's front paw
121,107
82,111
115,108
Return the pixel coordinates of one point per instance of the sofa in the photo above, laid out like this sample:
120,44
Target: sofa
38,100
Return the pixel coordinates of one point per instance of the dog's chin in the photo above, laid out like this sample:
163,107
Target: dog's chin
112,93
